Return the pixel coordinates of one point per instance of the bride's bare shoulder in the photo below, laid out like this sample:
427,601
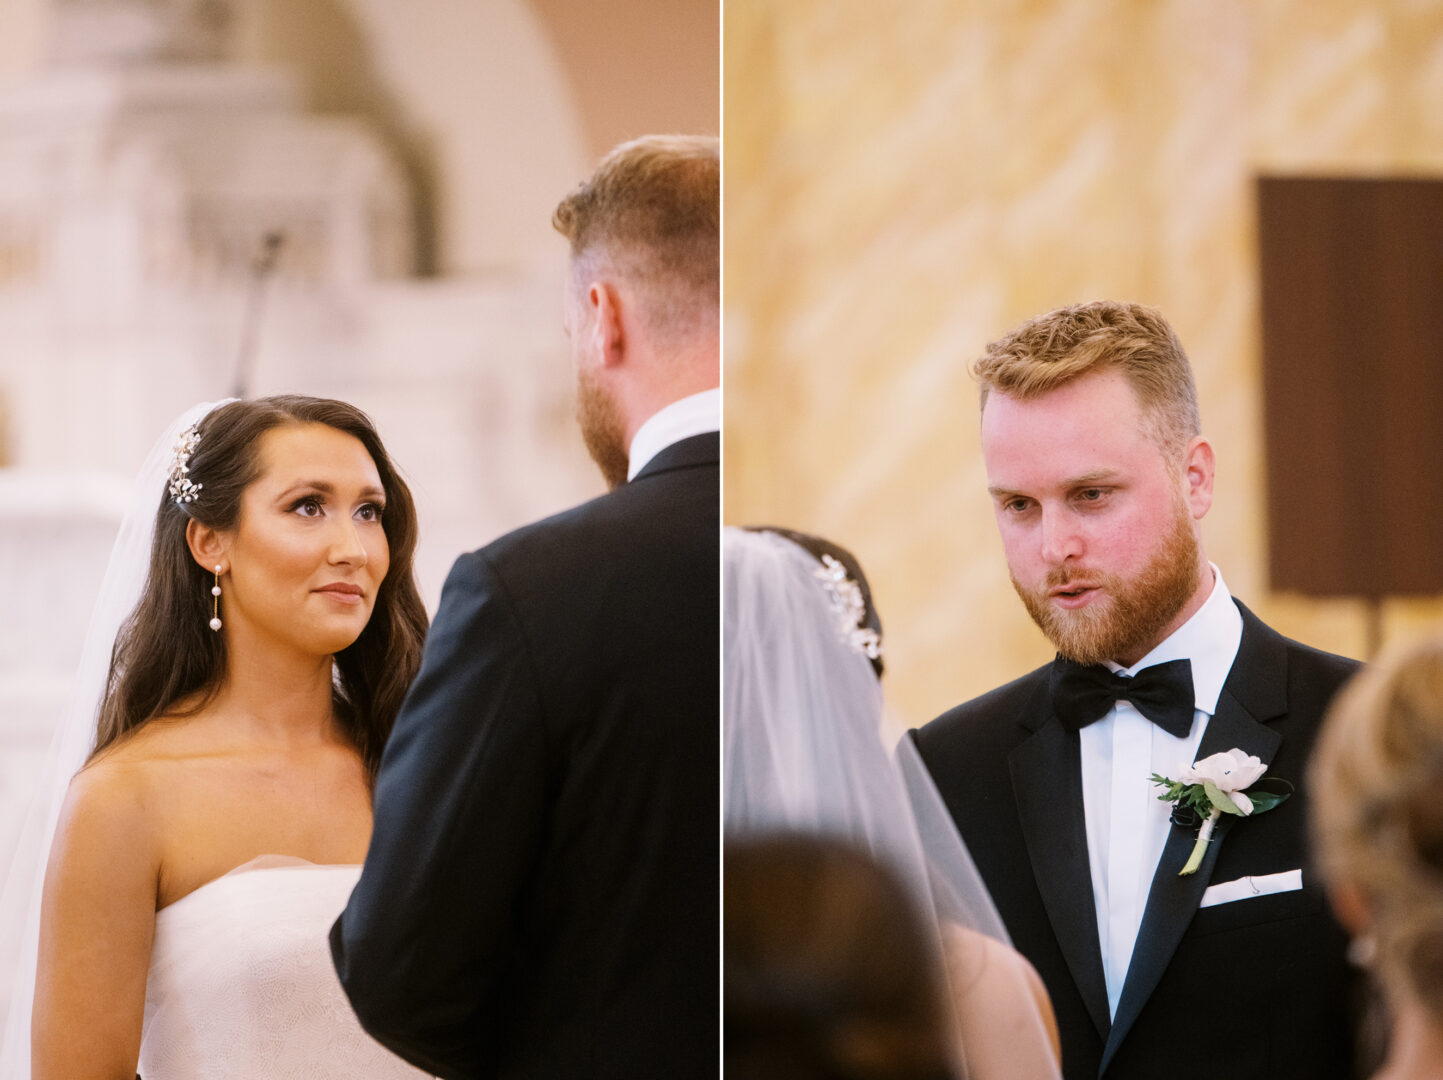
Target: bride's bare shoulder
154,743
121,788
107,835
979,952
996,989
976,951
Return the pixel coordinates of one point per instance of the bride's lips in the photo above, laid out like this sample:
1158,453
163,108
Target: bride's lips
1075,594
342,592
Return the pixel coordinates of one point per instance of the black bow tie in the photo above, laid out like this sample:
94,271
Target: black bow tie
1163,693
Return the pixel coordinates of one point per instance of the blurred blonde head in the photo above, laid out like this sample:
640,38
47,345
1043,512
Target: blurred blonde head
1377,775
1050,350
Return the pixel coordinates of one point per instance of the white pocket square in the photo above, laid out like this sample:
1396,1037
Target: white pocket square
1245,888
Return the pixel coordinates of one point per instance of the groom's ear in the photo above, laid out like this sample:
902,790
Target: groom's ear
1199,467
209,547
609,340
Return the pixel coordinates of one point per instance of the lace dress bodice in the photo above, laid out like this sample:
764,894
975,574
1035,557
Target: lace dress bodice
241,982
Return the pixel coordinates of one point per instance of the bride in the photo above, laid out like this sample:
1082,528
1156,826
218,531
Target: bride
219,823
802,753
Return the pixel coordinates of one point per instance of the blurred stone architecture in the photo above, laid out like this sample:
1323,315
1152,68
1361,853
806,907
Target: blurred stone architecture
149,148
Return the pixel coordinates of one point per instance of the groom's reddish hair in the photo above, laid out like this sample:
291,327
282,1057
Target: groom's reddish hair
1052,349
652,211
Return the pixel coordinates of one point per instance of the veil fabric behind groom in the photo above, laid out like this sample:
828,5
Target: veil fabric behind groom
803,753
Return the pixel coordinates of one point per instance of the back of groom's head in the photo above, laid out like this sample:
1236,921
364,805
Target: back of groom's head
651,213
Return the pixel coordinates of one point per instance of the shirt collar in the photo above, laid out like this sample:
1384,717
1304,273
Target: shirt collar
695,414
1209,640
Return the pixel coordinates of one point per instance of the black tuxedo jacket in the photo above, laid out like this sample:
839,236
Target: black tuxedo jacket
540,898
1255,988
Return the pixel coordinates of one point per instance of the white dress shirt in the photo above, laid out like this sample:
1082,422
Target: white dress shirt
1127,825
693,415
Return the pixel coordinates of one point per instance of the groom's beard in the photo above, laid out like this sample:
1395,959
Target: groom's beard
1136,610
602,429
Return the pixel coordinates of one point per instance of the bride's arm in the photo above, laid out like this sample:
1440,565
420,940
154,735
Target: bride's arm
96,926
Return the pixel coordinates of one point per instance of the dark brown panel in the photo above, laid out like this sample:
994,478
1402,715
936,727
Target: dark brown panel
1352,288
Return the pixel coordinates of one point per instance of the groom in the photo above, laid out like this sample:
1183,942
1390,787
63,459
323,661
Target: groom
541,893
1100,478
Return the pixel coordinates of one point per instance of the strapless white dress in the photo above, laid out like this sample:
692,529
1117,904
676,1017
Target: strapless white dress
241,982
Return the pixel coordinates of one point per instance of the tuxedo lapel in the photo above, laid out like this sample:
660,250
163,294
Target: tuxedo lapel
1047,779
1254,692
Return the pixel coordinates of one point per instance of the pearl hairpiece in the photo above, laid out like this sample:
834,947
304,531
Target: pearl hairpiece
182,490
849,607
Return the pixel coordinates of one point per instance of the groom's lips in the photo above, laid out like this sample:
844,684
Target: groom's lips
1072,595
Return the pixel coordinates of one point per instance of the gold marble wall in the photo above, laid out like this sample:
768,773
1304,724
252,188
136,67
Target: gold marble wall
906,182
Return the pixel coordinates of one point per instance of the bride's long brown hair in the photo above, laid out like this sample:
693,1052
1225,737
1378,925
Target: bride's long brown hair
166,653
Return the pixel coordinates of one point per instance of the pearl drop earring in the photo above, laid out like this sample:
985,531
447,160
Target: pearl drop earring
215,592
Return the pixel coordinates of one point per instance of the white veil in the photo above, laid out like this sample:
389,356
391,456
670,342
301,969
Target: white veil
74,737
803,753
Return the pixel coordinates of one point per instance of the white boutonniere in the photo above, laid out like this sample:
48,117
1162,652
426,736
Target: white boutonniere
1212,787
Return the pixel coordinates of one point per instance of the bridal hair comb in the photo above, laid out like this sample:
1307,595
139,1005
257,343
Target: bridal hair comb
849,607
182,490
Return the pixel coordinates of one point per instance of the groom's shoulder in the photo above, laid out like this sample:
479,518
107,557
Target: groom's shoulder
1306,665
1005,714
634,526
557,529
550,547
1313,662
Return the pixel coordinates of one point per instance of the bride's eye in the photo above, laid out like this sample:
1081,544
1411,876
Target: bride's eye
370,511
309,506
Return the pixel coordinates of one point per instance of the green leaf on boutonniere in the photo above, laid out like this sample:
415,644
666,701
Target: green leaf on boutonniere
1263,798
1194,795
1219,800
1197,797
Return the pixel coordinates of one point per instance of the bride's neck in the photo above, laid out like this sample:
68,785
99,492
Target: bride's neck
276,697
